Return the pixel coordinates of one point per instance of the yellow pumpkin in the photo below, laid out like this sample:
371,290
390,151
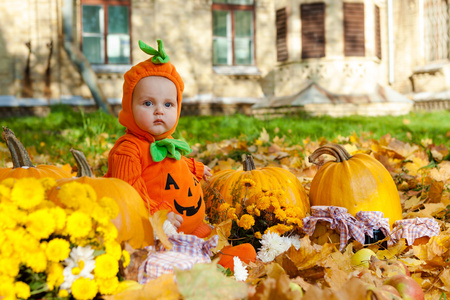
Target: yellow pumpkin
358,183
132,223
228,185
22,164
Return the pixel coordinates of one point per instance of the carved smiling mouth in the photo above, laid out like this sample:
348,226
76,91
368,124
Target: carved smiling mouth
190,210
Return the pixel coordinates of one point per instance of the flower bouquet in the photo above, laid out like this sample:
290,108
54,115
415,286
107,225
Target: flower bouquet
60,249
264,219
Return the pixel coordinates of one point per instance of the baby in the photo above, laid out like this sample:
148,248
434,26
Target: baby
147,157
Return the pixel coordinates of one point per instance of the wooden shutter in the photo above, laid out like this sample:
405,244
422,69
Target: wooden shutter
377,32
354,44
281,23
313,30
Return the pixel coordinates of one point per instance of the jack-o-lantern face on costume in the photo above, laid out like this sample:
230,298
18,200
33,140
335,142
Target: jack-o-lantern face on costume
183,192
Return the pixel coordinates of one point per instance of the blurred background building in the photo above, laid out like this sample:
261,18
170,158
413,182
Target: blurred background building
333,57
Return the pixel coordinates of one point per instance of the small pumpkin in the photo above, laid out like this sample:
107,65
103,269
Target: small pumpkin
132,223
246,253
22,164
229,185
358,183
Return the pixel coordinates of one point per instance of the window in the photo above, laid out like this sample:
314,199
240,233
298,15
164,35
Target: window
233,32
106,31
313,30
437,24
281,25
354,41
377,32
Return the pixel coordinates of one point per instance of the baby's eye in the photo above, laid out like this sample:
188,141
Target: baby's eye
168,104
147,103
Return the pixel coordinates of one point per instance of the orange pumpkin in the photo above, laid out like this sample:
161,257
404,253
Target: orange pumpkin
358,183
246,253
132,223
22,164
227,184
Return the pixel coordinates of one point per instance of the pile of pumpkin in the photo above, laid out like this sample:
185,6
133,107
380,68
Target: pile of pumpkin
356,182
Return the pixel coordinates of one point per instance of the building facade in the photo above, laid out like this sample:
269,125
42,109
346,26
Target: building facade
249,56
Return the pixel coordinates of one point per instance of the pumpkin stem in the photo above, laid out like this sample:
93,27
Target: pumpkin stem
83,166
19,154
334,150
248,163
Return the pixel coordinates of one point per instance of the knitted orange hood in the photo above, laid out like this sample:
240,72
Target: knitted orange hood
150,67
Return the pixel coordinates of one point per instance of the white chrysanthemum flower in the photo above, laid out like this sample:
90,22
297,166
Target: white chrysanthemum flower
272,245
240,271
80,263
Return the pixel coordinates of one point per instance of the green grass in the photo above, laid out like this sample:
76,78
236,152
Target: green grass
64,128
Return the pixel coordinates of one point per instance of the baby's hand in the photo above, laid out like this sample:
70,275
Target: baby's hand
206,172
175,219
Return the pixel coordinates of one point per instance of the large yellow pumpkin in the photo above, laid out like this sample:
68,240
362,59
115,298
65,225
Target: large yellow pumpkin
22,164
358,183
132,223
228,186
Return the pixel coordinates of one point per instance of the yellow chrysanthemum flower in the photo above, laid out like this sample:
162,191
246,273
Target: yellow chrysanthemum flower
125,258
107,286
84,288
238,207
76,195
223,207
99,214
109,231
7,290
248,182
274,202
231,212
79,224
41,224
279,228
55,276
5,191
37,261
47,182
106,266
258,235
7,221
110,206
280,214
63,294
263,203
60,216
57,250
257,212
22,290
113,248
246,221
27,193
9,182
250,208
9,266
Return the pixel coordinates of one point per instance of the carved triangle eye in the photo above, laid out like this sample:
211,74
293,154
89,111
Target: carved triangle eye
189,193
170,181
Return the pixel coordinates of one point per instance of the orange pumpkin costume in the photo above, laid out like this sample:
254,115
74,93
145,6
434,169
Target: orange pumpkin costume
169,184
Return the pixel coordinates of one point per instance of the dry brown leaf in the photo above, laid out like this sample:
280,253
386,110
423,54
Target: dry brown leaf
309,255
430,210
223,230
354,289
272,288
435,192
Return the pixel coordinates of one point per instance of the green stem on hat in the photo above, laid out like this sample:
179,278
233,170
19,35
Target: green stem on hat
159,56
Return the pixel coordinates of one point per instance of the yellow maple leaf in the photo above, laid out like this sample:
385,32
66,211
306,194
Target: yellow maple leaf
157,221
309,255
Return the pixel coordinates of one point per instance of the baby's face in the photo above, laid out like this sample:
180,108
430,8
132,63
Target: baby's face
155,104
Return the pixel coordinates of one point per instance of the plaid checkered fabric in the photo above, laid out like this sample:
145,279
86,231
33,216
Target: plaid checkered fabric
338,217
373,220
187,251
411,229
